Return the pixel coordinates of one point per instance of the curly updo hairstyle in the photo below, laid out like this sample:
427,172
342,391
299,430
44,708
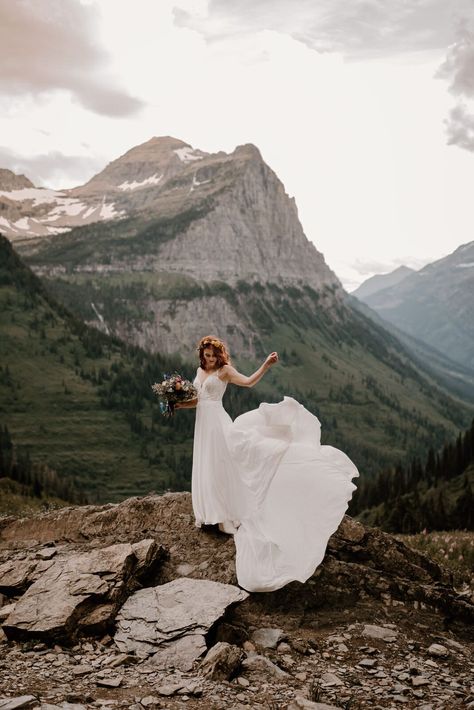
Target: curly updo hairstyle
219,348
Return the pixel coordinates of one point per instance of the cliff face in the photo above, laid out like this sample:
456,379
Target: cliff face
252,233
184,224
228,218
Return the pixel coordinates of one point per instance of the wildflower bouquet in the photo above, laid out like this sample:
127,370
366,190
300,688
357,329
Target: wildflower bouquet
174,388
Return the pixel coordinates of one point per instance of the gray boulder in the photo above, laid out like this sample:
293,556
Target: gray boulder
222,661
53,607
168,622
268,638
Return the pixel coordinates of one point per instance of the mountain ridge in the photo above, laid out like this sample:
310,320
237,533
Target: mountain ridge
380,281
435,304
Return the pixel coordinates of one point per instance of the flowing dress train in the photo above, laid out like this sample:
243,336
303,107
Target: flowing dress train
268,470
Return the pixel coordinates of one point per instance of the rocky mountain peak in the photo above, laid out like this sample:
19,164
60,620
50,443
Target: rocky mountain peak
11,181
229,205
248,150
149,164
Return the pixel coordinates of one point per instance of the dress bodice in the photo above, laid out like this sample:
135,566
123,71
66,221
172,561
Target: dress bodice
210,389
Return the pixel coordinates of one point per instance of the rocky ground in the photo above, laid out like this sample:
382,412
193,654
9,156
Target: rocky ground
129,605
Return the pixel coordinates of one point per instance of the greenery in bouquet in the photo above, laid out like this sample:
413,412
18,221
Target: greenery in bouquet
174,388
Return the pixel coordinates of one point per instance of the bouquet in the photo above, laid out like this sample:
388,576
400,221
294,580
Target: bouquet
174,388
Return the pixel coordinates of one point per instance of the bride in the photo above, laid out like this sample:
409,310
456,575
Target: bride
265,477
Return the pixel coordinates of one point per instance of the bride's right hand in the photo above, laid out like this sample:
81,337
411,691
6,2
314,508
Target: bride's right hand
271,359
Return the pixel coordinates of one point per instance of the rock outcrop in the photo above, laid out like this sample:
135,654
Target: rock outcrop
80,591
377,624
169,622
11,181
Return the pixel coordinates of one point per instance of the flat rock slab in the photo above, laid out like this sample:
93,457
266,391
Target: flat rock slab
15,575
71,587
261,665
180,653
21,701
380,632
158,615
186,687
62,706
268,638
300,703
5,611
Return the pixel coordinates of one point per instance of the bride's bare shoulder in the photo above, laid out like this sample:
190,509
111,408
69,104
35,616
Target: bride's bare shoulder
226,371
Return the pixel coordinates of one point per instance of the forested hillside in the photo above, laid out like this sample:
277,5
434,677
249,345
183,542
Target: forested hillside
435,494
79,402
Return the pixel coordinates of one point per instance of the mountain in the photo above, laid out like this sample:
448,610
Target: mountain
10,181
435,305
212,217
456,378
30,213
215,245
212,222
381,281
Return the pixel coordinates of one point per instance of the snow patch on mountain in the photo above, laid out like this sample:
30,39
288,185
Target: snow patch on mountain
107,211
39,195
187,154
68,206
197,182
152,180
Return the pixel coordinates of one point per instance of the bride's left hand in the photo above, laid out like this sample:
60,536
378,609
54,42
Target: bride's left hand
271,359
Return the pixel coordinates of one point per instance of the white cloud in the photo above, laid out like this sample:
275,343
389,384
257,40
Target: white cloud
51,45
50,168
361,28
360,144
458,69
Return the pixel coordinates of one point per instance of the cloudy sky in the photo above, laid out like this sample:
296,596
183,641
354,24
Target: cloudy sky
364,108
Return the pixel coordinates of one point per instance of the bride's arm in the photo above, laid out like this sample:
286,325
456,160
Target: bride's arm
190,404
230,374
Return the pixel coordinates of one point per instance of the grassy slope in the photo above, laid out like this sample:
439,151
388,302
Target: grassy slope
53,409
360,381
13,500
372,402
454,550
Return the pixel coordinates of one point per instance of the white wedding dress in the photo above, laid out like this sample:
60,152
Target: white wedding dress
268,470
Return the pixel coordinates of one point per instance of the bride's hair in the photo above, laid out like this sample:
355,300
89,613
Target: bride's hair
219,348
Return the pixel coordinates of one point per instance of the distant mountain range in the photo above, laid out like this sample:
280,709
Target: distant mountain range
434,305
211,243
381,281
